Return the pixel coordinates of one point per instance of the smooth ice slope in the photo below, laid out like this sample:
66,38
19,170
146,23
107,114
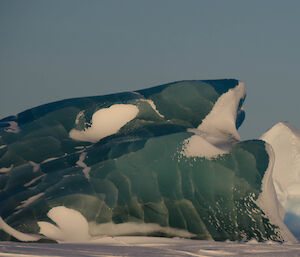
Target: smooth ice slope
285,141
269,202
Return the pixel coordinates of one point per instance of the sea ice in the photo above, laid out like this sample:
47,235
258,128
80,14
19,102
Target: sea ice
149,247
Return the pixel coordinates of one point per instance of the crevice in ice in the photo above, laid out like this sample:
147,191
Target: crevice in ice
217,132
86,170
106,122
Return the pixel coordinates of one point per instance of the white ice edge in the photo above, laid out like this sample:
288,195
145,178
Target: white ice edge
106,122
285,141
215,135
268,201
222,118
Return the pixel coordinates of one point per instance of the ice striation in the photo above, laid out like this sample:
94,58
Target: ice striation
163,161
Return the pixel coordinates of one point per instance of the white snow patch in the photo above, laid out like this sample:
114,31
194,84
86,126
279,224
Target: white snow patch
71,226
50,159
80,163
13,127
4,170
17,234
34,180
199,146
79,147
222,118
217,132
106,122
268,200
35,166
2,146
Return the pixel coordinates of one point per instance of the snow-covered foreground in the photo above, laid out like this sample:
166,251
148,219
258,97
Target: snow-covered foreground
150,246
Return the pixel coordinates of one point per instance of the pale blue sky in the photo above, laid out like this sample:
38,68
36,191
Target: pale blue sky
57,49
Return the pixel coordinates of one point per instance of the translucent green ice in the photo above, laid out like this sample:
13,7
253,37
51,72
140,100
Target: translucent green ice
138,173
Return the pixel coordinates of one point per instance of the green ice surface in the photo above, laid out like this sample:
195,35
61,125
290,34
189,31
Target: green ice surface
138,174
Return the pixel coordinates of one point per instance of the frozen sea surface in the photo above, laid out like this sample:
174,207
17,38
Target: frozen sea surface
150,246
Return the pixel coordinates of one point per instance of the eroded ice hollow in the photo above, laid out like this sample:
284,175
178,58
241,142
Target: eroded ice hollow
163,161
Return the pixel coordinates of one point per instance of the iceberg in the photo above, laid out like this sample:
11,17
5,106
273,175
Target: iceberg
163,161
284,139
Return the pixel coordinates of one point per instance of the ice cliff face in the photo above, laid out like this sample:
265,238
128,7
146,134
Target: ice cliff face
285,142
162,161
